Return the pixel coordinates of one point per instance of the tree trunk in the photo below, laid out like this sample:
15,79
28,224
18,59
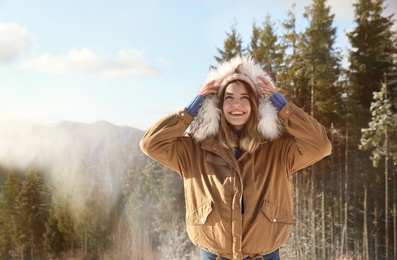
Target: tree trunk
312,207
313,216
85,242
386,192
376,230
323,223
365,233
395,215
340,205
345,228
333,171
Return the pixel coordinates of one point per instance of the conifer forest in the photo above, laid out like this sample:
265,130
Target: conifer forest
101,198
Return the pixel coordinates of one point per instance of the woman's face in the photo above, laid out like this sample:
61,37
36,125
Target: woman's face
236,105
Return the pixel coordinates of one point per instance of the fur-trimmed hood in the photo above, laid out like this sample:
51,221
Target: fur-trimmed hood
207,120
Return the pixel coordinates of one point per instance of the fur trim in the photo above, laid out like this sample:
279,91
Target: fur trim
207,120
270,125
245,65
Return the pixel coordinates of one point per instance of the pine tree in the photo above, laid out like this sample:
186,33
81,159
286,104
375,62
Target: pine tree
265,47
33,211
381,138
289,75
232,45
380,134
372,51
322,62
320,96
8,217
65,221
54,241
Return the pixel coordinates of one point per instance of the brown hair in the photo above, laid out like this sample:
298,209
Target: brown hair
250,138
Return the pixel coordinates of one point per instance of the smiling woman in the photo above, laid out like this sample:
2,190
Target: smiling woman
246,141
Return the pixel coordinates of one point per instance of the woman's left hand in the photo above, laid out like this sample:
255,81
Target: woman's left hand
209,88
265,88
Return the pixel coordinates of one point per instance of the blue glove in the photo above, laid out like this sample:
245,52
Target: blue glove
278,100
194,107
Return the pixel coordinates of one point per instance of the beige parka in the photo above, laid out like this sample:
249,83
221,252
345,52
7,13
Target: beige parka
215,182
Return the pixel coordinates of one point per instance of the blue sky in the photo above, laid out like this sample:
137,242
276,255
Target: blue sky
126,62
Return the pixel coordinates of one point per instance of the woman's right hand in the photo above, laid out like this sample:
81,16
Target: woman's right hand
209,88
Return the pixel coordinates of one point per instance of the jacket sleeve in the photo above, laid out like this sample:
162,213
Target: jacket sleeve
309,142
166,143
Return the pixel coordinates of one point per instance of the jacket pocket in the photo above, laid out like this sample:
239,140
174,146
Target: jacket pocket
199,216
276,214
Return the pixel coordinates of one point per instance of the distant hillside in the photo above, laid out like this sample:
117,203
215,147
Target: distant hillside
75,156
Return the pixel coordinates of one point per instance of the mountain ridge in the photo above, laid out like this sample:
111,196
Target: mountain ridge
98,151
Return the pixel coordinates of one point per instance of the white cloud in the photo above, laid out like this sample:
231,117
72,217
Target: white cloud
82,62
14,41
164,62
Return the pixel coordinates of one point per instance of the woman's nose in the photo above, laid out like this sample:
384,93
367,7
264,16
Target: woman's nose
236,102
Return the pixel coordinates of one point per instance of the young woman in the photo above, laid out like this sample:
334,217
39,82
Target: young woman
245,141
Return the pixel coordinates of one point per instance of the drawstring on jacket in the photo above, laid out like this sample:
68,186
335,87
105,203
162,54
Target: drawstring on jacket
237,154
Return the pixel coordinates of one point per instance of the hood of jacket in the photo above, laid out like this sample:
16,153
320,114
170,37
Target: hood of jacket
206,122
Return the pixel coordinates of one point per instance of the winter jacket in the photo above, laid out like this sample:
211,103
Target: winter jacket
217,218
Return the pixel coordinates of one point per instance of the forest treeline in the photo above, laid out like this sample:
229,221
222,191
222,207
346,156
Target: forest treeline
146,221
345,205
